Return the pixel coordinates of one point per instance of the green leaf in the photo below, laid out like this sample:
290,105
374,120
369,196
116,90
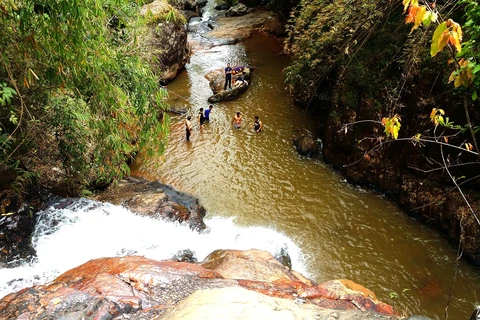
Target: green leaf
474,95
435,47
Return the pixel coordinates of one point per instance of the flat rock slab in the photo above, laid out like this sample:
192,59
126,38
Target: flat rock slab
241,304
236,29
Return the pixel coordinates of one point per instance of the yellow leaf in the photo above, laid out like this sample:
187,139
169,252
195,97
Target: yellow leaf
469,146
445,139
443,40
419,17
456,27
455,40
433,113
452,77
458,81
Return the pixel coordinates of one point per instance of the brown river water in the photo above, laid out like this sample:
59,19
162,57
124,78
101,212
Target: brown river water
260,180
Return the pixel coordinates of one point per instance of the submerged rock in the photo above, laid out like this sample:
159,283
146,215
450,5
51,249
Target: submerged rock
229,284
306,144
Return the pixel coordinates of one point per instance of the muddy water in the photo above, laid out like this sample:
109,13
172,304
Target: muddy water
259,180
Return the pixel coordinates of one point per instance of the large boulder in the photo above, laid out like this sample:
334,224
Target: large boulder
306,144
236,29
216,80
151,198
139,288
165,39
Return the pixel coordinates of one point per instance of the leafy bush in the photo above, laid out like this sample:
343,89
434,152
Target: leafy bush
84,97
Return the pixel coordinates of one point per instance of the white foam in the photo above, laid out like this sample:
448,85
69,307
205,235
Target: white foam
85,230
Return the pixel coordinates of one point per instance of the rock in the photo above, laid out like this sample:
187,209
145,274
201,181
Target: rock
235,29
476,314
252,264
185,256
230,284
199,27
241,304
306,144
238,10
345,294
284,258
222,6
152,198
165,41
16,226
227,95
216,79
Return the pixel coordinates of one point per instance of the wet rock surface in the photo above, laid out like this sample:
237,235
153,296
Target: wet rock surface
235,29
135,287
151,198
306,144
17,222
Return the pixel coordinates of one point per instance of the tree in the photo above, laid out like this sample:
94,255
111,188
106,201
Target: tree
74,92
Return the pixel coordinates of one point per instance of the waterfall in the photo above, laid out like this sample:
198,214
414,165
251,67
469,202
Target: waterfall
68,235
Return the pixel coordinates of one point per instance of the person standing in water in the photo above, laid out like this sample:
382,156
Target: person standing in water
201,118
188,127
207,113
237,120
257,125
228,77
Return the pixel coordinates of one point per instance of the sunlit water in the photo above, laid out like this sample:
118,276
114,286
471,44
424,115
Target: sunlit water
260,180
84,230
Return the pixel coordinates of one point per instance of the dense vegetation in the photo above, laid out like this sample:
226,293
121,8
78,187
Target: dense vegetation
76,99
367,67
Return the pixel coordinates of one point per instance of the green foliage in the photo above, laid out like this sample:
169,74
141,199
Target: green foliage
470,48
6,94
323,38
83,92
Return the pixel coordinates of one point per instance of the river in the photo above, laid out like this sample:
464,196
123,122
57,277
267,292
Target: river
259,193
258,180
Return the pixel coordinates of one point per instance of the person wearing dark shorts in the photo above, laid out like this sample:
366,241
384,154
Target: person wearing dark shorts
228,77
201,117
207,113
188,127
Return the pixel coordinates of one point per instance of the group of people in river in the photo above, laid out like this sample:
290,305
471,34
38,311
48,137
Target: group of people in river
204,117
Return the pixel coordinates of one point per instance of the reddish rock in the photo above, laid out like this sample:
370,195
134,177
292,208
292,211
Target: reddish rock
140,288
